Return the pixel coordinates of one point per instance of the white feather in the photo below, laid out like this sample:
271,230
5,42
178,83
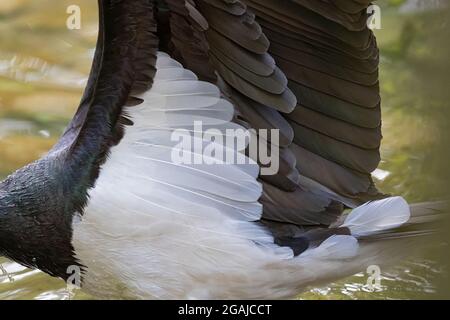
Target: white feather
336,247
174,74
377,216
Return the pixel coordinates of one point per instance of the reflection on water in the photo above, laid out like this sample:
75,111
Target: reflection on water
43,67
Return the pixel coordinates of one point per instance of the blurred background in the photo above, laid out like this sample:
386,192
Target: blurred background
44,65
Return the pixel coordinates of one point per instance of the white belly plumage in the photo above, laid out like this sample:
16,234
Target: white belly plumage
155,229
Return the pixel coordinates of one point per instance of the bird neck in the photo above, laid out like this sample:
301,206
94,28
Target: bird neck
34,231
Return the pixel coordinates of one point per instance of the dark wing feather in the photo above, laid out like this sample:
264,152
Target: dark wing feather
331,60
188,44
123,65
309,68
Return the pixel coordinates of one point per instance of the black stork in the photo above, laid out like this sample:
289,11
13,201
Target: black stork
110,200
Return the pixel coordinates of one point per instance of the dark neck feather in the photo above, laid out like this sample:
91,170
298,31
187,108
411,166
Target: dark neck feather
35,222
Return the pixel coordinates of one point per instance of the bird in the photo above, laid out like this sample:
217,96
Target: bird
110,200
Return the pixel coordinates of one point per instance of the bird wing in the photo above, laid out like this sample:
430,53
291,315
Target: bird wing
306,68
